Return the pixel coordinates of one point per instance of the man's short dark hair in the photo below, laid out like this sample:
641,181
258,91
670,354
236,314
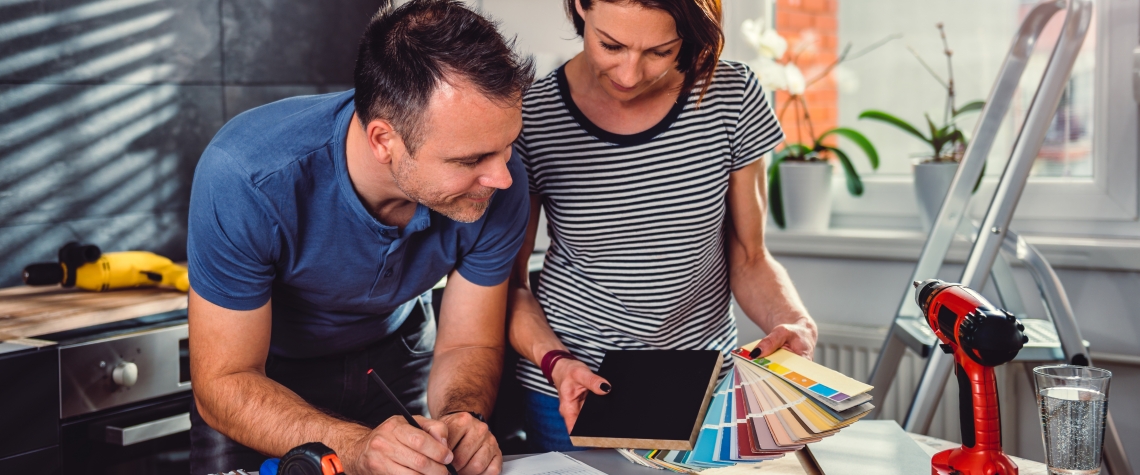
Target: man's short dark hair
406,52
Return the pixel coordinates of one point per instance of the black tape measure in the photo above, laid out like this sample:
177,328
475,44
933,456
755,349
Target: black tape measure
313,458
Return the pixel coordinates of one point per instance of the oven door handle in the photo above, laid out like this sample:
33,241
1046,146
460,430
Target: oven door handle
124,436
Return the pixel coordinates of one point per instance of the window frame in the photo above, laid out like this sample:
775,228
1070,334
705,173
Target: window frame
1105,205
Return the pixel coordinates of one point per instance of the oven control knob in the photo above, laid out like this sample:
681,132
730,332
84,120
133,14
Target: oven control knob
125,374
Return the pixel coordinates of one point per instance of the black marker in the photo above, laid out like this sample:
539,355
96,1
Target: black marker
403,410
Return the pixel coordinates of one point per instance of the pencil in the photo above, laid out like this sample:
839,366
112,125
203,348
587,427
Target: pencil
403,410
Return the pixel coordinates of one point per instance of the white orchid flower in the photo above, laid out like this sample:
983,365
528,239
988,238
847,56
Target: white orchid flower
772,44
771,74
767,42
752,30
770,47
845,79
795,79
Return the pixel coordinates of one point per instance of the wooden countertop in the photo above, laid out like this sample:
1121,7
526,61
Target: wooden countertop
31,311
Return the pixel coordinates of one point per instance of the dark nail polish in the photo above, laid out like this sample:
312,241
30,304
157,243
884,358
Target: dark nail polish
605,387
754,353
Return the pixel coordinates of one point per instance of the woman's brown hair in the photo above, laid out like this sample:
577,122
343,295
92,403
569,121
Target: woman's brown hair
698,25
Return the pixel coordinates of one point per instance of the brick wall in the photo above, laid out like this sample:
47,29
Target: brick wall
813,26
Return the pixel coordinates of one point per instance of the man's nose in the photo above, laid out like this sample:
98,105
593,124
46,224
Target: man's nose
498,176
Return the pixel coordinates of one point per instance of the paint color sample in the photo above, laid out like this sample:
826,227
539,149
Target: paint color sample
757,415
809,376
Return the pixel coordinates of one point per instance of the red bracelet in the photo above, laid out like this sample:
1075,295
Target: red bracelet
550,359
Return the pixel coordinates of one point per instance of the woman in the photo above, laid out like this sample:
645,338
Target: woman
644,150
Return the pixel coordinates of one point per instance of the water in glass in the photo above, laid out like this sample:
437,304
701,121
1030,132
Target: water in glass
1073,423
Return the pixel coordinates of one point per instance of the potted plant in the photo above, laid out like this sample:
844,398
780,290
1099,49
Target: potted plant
799,176
799,180
933,173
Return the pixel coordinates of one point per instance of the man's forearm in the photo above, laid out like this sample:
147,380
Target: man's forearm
259,413
464,379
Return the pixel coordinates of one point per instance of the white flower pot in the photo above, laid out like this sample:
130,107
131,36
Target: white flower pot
931,183
806,190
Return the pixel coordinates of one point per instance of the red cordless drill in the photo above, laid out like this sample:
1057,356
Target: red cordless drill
980,336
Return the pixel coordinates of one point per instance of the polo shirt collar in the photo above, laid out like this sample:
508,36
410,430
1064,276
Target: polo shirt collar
420,221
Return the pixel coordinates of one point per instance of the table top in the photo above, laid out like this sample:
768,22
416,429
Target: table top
31,311
799,463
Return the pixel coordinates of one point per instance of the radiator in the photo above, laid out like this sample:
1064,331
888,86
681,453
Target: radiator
853,350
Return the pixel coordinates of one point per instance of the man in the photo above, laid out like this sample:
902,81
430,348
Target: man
318,226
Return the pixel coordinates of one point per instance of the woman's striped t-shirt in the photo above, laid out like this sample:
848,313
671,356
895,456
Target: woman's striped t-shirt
637,256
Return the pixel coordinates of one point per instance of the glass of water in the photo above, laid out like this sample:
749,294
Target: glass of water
1074,404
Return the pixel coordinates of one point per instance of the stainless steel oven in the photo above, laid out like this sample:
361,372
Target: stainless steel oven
121,399
125,399
151,437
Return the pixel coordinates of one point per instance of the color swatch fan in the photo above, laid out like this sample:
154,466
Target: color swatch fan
766,408
826,385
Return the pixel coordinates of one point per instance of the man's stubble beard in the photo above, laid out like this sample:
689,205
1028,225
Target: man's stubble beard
454,209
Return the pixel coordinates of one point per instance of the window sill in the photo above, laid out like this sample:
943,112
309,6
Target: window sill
904,245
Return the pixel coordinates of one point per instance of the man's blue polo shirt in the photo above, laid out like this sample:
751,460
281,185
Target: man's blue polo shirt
274,214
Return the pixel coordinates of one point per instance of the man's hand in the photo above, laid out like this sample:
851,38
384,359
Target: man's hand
476,450
395,447
573,379
798,338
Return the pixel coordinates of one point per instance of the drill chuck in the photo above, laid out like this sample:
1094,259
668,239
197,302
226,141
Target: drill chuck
924,290
45,273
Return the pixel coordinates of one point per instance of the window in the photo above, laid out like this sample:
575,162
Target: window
1085,179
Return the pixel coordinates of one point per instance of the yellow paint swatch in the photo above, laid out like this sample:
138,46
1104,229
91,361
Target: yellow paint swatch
783,362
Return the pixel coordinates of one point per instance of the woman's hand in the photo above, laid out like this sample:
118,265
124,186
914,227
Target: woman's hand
573,379
798,338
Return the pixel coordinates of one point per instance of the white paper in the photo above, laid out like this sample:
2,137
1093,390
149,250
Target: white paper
550,463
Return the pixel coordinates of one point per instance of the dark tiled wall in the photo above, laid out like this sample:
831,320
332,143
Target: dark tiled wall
106,105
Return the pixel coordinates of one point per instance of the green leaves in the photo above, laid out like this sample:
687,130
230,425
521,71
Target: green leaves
933,129
895,121
854,183
971,107
775,196
793,151
940,137
859,139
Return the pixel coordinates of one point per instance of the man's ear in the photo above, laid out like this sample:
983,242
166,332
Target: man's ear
383,140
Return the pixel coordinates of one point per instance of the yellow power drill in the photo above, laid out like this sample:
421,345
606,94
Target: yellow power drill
86,267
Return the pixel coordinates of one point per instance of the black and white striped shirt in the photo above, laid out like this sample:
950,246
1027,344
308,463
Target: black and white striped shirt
637,256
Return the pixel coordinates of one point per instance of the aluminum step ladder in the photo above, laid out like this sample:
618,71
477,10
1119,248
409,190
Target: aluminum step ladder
1055,339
